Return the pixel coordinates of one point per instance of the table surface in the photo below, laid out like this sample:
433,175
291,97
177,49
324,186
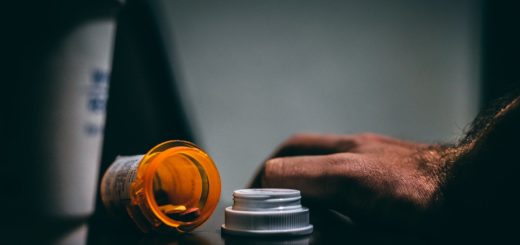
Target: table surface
329,228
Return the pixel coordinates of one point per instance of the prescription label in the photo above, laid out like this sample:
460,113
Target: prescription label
115,186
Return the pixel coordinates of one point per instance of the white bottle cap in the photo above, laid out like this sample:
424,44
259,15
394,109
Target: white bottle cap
259,212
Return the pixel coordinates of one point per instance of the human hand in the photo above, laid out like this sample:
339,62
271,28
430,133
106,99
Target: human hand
373,179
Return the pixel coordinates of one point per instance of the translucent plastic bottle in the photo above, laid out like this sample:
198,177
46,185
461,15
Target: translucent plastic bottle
173,188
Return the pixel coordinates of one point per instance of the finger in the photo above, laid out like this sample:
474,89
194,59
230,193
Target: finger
317,177
306,144
314,144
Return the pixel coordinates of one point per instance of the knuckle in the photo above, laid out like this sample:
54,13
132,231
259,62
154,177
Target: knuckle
297,137
273,162
337,159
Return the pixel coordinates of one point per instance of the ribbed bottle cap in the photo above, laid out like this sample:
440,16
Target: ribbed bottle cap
267,212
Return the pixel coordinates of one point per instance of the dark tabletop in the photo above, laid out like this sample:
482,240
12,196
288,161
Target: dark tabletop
329,228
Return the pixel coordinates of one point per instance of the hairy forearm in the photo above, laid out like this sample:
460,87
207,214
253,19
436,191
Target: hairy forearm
480,186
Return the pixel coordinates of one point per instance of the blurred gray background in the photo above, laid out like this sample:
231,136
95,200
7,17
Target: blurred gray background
255,72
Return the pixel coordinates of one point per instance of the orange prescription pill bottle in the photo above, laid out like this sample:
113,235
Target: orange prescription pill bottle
173,188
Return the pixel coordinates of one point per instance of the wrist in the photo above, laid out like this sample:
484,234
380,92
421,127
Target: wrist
436,161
